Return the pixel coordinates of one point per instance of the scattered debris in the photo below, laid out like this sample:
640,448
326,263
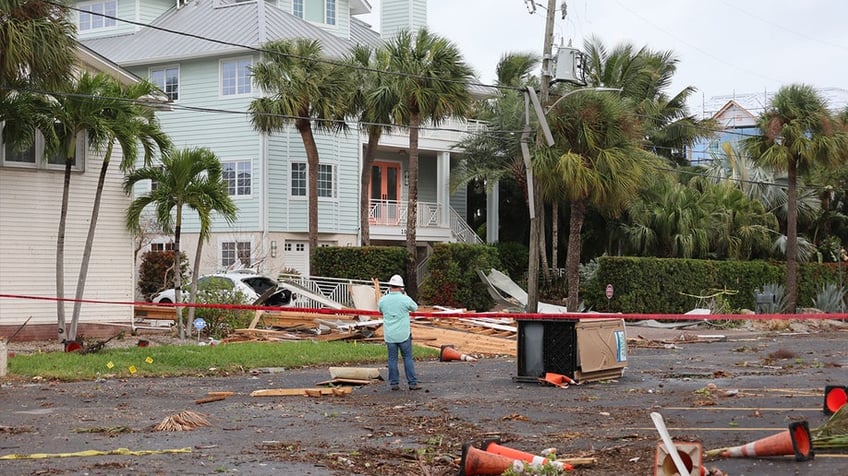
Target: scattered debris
183,421
119,452
303,392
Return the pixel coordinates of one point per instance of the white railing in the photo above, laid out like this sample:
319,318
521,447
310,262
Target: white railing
461,231
336,289
393,213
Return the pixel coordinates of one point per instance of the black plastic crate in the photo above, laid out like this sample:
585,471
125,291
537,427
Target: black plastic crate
546,346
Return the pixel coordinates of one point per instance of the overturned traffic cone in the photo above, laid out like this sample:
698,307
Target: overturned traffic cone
557,380
476,462
835,396
493,446
448,353
691,454
795,441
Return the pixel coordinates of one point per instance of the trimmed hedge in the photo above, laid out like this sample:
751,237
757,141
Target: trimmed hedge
661,285
155,273
453,277
364,262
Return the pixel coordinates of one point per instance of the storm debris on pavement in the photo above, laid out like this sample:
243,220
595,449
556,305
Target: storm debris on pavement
302,392
183,421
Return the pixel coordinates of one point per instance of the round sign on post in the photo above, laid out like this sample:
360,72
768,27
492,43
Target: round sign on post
609,291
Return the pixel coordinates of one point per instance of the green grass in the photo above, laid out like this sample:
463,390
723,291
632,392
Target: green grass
177,360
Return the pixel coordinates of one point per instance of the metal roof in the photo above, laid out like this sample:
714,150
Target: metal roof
755,103
186,33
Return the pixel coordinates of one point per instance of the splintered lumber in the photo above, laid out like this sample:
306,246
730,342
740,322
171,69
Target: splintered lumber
302,392
358,373
468,342
266,334
183,421
152,312
214,398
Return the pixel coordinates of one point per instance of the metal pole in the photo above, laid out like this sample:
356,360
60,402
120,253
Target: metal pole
535,223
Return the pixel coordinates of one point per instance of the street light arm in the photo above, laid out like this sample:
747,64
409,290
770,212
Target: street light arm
574,91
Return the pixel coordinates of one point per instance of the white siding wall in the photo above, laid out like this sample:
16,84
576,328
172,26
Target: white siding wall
30,202
396,15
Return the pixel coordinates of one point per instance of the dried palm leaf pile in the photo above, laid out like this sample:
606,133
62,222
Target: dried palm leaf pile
834,433
183,421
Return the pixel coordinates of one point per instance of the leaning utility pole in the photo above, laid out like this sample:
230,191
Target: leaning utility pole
536,218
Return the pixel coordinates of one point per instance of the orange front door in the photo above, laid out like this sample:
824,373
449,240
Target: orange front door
385,193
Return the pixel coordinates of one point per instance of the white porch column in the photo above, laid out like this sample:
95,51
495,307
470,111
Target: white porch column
493,213
443,186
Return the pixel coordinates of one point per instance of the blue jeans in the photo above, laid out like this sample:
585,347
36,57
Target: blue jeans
405,348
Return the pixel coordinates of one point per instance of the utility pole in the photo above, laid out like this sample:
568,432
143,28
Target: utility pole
536,221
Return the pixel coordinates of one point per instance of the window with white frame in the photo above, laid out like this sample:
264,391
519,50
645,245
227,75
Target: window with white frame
162,246
326,180
168,80
235,76
238,176
98,15
33,156
317,11
234,252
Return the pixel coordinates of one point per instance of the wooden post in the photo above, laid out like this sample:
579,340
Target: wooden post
4,354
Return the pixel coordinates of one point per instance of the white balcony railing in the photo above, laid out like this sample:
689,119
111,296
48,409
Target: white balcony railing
393,213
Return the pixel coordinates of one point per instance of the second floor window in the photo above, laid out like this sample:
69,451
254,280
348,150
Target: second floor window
91,15
317,11
235,76
168,80
326,180
238,176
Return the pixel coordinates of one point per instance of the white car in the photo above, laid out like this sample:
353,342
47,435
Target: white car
251,286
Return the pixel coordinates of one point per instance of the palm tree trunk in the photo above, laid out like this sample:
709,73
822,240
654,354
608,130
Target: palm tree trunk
412,208
178,275
572,260
195,272
60,240
305,129
365,186
89,243
555,234
792,238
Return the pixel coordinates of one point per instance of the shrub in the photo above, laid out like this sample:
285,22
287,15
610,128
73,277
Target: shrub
364,262
156,272
221,322
453,277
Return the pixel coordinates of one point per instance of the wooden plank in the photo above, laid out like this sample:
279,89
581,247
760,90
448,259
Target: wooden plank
153,312
288,392
466,342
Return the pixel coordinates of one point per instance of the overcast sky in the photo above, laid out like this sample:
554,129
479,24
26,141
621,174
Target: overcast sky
724,46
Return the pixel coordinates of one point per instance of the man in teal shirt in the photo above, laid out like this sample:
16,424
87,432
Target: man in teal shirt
396,306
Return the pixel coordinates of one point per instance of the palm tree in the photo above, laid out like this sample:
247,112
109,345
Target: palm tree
87,106
304,90
373,101
644,75
798,133
37,44
37,51
186,178
431,80
601,164
132,124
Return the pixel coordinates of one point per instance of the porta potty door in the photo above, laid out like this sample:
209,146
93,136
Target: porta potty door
601,348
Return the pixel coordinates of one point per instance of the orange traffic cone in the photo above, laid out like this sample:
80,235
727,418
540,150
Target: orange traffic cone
557,380
834,397
493,446
690,453
796,440
476,462
448,353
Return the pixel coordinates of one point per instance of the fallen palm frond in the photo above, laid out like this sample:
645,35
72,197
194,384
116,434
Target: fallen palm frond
183,421
834,433
112,430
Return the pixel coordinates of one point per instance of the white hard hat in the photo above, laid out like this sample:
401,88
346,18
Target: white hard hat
396,281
